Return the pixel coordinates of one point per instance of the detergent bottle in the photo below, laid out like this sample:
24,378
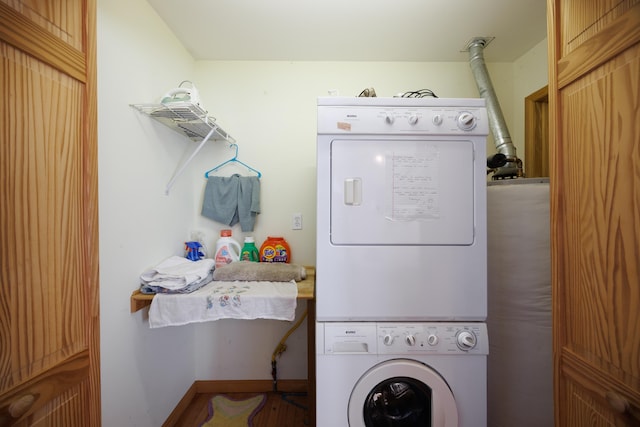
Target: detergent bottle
227,249
275,249
249,250
194,251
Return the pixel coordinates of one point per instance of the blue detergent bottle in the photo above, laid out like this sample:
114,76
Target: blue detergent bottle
193,251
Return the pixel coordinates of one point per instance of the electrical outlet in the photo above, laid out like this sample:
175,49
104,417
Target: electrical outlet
296,223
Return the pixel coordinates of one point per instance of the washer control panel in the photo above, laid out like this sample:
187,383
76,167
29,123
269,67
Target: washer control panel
346,338
443,338
432,338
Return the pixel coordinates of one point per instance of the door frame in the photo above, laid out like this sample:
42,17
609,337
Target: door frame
536,133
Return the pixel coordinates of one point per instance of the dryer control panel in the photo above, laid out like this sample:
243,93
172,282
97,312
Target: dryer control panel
438,116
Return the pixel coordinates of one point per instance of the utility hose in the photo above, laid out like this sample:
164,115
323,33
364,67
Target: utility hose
281,348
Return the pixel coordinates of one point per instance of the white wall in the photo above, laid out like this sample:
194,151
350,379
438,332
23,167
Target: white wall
270,109
144,372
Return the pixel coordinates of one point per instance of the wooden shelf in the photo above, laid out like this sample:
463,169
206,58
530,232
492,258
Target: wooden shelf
306,290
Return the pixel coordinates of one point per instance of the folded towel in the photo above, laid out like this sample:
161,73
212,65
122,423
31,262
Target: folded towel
260,271
177,272
148,289
226,300
232,199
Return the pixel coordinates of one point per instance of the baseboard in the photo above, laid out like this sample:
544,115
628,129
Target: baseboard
249,386
232,386
175,415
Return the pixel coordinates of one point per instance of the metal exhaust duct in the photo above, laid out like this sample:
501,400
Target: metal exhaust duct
512,166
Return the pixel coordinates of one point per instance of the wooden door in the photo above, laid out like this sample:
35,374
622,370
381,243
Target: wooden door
536,134
49,313
594,100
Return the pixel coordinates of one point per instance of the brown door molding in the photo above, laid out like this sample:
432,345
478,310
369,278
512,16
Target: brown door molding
536,134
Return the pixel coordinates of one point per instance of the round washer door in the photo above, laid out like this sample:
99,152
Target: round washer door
399,393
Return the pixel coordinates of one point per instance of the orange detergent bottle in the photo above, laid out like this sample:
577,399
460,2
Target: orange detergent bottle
275,249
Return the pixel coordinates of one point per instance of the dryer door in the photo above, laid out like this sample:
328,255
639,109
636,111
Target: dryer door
402,192
402,393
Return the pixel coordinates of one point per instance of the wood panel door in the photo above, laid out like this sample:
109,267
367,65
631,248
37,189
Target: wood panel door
594,100
49,313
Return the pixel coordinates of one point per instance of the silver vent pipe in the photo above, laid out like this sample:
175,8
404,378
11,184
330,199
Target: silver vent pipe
510,166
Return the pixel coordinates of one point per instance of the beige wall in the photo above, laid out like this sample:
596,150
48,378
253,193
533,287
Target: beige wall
529,75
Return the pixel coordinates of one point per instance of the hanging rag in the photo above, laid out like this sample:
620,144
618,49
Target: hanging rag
232,199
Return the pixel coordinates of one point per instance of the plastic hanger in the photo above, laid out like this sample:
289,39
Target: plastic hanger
233,159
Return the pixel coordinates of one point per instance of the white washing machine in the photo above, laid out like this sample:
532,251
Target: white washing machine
401,374
401,209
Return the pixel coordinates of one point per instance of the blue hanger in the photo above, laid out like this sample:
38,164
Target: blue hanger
233,159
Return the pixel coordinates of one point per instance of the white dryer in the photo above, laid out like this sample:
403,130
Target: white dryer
401,374
401,209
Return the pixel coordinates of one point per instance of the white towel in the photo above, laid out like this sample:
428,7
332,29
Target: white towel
177,272
226,300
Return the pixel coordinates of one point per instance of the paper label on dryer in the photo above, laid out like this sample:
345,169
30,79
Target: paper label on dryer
412,189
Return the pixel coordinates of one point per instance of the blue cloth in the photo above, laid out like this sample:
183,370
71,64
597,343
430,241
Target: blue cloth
232,199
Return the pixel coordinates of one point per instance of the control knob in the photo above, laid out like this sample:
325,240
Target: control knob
466,121
437,120
466,340
413,119
410,340
388,339
432,339
389,118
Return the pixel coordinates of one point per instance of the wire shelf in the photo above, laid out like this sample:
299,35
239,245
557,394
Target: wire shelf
186,118
189,120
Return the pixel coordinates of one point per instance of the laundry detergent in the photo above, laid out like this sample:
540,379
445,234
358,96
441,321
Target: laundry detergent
249,250
275,249
227,249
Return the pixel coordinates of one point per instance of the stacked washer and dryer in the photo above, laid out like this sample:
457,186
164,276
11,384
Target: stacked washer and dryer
401,271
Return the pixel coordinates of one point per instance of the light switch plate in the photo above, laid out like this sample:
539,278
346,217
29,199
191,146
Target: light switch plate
296,222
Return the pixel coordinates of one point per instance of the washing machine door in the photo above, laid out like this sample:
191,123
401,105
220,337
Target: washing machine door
402,393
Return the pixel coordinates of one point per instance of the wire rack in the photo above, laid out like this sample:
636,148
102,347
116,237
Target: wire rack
186,118
189,120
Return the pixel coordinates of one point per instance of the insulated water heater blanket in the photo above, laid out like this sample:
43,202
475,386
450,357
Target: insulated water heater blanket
520,375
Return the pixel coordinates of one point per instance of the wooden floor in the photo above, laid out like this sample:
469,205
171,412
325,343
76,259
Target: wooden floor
280,410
